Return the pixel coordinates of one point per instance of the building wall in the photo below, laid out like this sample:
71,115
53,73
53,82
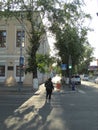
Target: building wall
9,55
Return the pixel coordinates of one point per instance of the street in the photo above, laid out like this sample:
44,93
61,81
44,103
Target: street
68,110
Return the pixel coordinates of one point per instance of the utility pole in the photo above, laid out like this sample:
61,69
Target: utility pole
21,59
70,68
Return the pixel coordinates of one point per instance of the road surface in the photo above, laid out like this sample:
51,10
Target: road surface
68,110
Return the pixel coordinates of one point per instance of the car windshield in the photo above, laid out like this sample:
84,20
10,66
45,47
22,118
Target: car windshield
77,76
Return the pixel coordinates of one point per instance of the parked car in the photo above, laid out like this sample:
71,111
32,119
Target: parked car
76,79
85,77
96,80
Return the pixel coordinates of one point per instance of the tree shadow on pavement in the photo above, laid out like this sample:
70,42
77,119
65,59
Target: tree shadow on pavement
28,118
45,111
40,121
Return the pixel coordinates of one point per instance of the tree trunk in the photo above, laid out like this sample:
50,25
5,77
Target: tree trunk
35,77
35,72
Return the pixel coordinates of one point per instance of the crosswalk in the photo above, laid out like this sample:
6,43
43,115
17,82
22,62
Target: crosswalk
76,91
81,91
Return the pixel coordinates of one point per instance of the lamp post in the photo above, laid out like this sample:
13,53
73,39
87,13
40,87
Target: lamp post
21,59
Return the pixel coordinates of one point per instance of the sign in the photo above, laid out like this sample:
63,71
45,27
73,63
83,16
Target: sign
21,60
63,66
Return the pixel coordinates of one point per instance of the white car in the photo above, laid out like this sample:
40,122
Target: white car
85,77
76,79
96,80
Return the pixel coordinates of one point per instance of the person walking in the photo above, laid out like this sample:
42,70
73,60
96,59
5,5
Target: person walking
73,83
49,88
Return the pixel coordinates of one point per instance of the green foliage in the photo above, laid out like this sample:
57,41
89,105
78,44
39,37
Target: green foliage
87,58
29,11
71,33
43,62
66,23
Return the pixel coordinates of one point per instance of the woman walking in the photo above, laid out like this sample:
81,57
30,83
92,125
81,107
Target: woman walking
49,88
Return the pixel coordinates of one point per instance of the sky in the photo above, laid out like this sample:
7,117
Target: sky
92,8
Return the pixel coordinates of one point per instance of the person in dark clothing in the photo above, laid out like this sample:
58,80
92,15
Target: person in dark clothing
49,88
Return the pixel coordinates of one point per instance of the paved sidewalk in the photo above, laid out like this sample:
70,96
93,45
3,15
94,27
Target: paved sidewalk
28,89
66,87
16,89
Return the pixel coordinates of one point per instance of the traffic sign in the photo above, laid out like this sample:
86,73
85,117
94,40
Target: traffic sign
63,66
21,60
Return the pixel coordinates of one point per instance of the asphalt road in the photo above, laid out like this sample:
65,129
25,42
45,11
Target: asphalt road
68,110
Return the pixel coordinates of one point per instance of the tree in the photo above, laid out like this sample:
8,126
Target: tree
31,10
70,32
65,21
87,58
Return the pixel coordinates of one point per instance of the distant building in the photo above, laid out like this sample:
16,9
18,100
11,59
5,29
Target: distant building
10,38
94,67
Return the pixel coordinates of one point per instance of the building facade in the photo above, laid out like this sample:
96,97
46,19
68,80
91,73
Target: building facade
10,51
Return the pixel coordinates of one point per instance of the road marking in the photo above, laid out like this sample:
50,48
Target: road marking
81,91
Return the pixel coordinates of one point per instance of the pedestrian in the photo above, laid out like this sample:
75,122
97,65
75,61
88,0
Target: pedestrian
49,88
63,81
73,83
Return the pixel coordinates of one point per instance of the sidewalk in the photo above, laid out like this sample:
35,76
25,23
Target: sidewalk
67,88
29,89
16,89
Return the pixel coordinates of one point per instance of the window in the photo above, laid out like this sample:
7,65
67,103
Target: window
18,71
19,34
2,71
3,38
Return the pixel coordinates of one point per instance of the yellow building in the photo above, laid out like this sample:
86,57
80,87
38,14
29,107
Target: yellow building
10,38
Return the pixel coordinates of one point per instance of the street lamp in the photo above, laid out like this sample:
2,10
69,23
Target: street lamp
21,59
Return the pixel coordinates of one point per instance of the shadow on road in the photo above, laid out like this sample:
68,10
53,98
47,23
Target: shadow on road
28,116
